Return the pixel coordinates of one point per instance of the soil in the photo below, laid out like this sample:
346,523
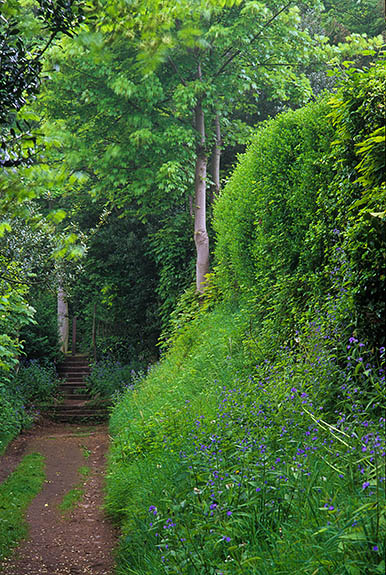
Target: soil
80,541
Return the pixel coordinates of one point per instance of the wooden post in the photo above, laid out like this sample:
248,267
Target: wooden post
93,336
63,318
73,349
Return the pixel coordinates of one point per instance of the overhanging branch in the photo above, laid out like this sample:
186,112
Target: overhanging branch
266,25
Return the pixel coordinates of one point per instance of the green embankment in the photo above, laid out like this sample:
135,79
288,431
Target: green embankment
257,444
16,493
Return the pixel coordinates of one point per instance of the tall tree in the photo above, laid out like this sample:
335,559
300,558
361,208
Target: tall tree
207,56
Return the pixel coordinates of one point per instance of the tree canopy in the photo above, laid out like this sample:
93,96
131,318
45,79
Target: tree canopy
142,112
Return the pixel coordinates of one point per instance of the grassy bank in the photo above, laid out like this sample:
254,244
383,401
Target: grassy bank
221,466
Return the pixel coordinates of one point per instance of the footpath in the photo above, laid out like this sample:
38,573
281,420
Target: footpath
68,532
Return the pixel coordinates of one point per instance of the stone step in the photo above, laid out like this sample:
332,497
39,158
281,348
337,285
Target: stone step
79,411
80,402
78,416
74,362
73,368
71,395
73,382
78,389
68,384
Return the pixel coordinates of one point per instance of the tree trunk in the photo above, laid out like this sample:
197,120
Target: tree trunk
200,232
216,160
63,327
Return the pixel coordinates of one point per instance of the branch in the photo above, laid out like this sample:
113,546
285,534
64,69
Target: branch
40,53
20,282
175,68
238,52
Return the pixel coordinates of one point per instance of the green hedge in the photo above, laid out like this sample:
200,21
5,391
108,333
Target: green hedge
310,179
263,215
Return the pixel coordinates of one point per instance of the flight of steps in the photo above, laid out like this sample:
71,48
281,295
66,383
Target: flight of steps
75,404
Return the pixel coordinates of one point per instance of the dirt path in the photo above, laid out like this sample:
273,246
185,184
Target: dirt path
81,540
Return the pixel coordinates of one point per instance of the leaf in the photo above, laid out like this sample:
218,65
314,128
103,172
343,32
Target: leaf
4,227
57,216
251,560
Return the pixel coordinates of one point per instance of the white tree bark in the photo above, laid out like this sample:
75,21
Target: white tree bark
201,238
63,326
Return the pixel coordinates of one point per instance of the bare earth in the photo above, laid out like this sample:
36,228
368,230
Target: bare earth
81,542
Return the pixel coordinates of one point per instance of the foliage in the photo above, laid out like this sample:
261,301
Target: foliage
190,305
343,16
21,395
257,444
40,338
116,290
35,382
13,416
15,312
109,378
21,66
16,493
243,461
264,220
360,190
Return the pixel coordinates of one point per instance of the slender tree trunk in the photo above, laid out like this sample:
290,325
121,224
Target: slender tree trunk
216,160
200,232
63,327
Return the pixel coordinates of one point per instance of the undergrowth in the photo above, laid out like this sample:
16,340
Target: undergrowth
108,378
21,397
230,469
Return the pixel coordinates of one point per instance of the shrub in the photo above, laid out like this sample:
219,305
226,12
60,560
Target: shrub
35,382
21,396
307,173
40,338
13,416
263,216
108,378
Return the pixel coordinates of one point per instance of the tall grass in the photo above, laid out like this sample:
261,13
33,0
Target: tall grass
220,467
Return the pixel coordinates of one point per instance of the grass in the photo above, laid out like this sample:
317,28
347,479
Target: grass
72,497
84,471
223,467
16,493
5,440
86,452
